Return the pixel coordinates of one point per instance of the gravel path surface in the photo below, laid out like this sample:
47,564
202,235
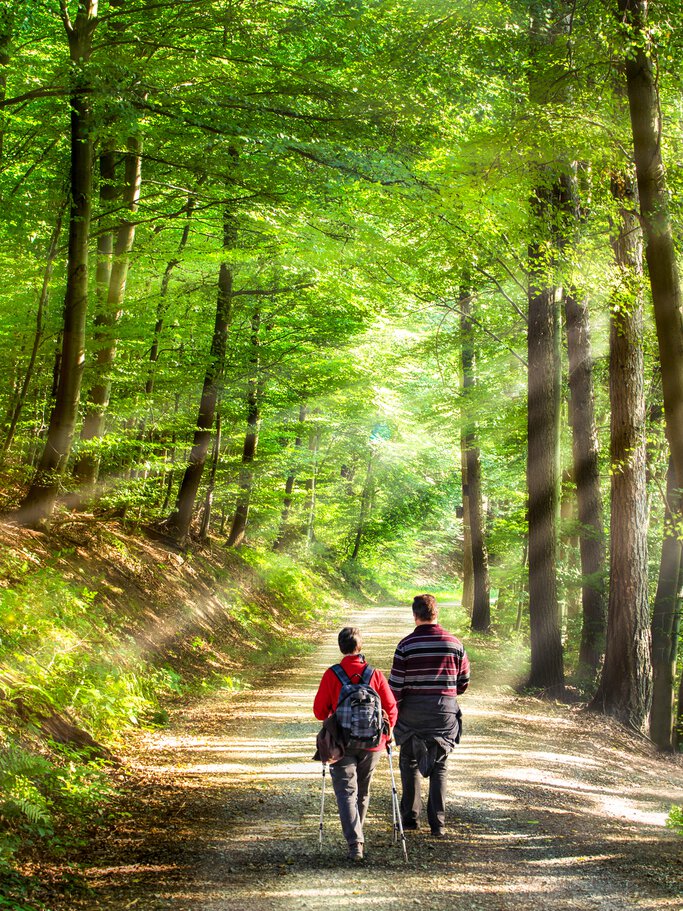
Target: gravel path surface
549,808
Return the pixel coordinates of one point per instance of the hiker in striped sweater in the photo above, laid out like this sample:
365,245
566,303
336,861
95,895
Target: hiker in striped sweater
430,670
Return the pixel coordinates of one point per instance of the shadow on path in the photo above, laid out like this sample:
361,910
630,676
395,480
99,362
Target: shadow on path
549,808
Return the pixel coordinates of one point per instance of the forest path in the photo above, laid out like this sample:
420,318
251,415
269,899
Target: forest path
548,808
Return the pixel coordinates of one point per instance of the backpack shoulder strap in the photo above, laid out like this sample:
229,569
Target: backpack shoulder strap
366,676
341,674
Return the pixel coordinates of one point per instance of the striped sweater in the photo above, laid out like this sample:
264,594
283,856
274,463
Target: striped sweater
430,661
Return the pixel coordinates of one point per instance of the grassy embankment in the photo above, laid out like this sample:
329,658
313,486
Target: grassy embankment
102,632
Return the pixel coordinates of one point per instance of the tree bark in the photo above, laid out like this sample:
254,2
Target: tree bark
107,317
543,459
550,205
467,563
179,521
585,452
165,281
238,528
472,488
289,485
665,623
208,499
644,107
364,509
39,502
37,335
625,688
6,30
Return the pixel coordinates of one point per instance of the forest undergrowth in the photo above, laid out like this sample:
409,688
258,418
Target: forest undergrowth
106,629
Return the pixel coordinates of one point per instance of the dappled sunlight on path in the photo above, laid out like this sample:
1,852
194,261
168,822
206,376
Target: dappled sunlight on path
548,808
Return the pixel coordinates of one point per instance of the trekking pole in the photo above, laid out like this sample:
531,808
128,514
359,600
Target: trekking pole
322,810
398,822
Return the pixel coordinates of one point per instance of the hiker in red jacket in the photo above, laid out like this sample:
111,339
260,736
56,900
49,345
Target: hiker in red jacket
352,773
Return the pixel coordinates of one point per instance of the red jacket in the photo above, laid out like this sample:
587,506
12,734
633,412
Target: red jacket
326,698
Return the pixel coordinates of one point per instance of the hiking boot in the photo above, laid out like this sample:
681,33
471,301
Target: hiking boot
355,852
438,833
410,825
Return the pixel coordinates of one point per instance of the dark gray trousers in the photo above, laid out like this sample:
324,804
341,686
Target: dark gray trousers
351,776
411,781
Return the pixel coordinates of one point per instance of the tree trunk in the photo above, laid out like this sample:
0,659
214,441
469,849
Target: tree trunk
625,687
467,563
107,317
208,499
550,206
165,281
481,601
585,453
6,29
311,487
179,521
239,522
39,502
644,106
665,622
543,460
38,334
289,485
364,509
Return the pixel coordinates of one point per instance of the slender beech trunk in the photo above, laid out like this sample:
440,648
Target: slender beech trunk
39,502
660,252
365,499
585,452
625,688
481,602
179,521
665,621
238,528
6,30
289,485
311,487
467,562
162,304
208,498
37,335
107,317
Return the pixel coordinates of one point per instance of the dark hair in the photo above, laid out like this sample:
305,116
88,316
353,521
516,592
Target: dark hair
424,607
350,640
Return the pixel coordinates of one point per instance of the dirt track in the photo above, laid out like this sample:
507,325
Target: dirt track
548,809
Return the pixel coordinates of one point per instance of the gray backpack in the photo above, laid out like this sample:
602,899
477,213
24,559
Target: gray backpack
359,709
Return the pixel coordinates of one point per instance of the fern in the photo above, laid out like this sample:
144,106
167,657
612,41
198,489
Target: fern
675,820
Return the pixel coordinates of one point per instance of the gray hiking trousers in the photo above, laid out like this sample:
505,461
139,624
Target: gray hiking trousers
351,777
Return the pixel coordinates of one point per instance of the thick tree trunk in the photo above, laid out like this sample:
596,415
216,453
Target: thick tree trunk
543,460
37,335
660,252
585,453
39,502
665,622
625,688
108,316
481,601
179,521
238,528
289,485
